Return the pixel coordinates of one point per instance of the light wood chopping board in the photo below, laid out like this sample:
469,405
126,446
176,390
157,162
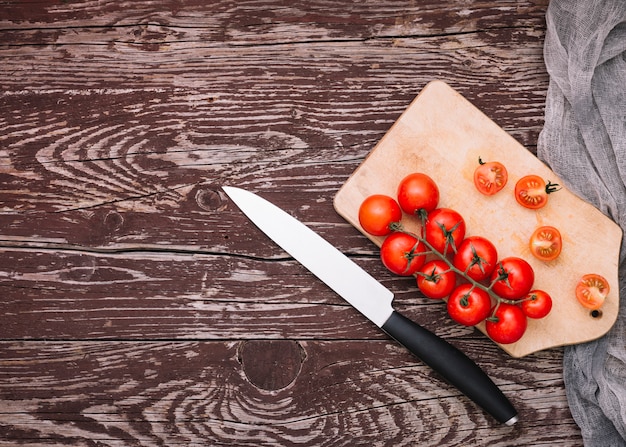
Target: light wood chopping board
443,135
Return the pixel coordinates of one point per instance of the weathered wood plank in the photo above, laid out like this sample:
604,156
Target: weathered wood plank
318,82
360,19
55,294
193,393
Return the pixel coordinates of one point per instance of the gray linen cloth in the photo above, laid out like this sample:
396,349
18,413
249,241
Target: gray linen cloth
584,142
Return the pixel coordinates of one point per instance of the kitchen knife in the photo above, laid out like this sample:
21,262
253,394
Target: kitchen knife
373,300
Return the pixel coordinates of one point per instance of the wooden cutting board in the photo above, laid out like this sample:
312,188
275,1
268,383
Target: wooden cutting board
443,135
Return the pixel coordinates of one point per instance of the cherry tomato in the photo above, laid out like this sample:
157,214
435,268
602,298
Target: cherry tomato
490,177
546,243
512,278
507,325
417,192
532,191
537,304
477,257
592,290
445,229
469,305
402,254
436,280
377,213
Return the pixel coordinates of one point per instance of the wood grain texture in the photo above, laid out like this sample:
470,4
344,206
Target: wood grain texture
136,298
194,393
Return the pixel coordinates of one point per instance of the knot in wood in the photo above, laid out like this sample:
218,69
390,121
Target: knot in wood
271,364
113,221
209,200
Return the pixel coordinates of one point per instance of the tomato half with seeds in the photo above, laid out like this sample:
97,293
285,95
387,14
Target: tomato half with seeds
377,213
537,304
490,177
512,278
436,280
468,305
546,243
507,324
445,229
532,192
592,290
402,253
476,257
417,192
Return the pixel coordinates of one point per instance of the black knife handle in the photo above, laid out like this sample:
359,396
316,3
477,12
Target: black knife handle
454,366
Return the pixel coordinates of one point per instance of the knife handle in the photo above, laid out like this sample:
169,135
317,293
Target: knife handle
454,366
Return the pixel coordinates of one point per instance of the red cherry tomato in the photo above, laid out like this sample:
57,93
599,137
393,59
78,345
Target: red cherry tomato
477,257
592,290
468,305
402,254
537,304
490,177
512,278
445,229
546,243
377,213
532,191
507,325
417,192
436,280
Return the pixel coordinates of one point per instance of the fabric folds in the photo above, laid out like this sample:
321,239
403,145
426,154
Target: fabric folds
584,143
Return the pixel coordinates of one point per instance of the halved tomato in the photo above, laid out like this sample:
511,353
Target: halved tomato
532,191
592,290
490,177
546,243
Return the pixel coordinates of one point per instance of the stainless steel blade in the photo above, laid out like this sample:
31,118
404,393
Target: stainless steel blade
330,265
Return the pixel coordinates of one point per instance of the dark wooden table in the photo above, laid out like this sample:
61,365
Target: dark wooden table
141,308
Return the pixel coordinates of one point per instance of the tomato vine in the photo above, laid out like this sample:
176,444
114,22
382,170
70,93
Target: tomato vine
478,285
502,274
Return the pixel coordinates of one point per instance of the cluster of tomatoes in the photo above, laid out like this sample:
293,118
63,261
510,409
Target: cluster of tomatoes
447,264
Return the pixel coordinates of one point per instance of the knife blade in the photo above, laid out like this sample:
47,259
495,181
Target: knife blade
374,301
